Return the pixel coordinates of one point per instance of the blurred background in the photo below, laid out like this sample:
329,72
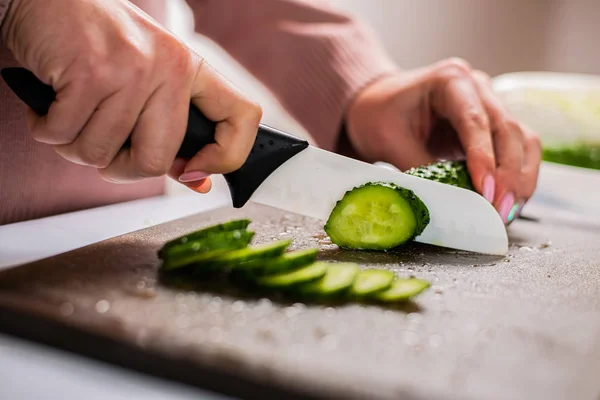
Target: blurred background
497,36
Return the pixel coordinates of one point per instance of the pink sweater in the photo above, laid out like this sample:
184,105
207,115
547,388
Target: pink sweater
312,57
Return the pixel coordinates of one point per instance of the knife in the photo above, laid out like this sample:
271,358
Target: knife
285,172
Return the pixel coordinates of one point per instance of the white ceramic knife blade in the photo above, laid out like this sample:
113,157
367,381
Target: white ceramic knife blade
311,182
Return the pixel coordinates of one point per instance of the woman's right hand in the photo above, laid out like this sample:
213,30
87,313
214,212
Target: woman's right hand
117,72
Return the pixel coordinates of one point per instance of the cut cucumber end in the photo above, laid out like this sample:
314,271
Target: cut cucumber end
402,290
376,216
288,280
371,281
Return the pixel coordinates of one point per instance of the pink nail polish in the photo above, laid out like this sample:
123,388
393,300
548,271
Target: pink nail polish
192,176
506,206
489,186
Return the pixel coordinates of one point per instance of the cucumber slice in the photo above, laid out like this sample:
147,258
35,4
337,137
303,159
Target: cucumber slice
232,258
233,225
309,273
232,240
286,262
376,216
402,289
339,277
371,281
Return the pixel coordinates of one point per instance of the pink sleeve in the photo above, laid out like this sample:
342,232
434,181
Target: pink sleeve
313,58
3,9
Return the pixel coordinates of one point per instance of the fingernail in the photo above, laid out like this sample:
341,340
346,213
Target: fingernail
515,211
521,205
506,206
192,176
489,186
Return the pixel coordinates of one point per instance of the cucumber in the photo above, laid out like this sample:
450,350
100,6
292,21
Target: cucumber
285,262
232,225
376,216
249,254
402,289
453,173
338,278
370,281
231,240
310,273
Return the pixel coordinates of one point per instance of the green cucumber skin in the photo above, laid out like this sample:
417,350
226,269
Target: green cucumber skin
324,288
290,280
232,225
402,290
419,209
230,240
385,280
284,263
233,258
453,173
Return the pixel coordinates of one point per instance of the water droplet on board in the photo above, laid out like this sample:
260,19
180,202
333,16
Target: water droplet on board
238,306
291,312
67,309
264,303
102,306
214,307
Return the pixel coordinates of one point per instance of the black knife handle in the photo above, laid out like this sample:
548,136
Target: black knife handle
271,148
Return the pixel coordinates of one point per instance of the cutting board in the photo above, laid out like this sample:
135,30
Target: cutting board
523,326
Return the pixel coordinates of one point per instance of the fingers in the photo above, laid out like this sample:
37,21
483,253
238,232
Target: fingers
68,114
109,127
508,148
455,96
155,139
503,156
237,125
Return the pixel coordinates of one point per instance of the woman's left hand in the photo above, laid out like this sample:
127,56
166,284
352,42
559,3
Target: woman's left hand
447,111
